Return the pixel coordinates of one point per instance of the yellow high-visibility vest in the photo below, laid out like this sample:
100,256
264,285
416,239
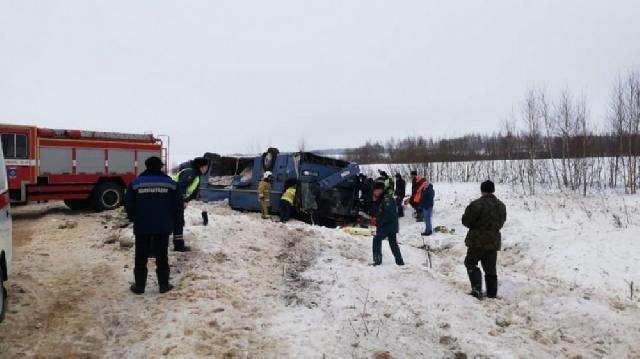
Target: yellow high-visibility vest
289,195
387,187
192,187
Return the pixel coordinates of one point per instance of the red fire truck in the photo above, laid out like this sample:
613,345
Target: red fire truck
83,168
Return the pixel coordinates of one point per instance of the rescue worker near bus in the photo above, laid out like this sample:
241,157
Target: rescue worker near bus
366,193
264,194
188,181
427,195
484,217
414,176
287,200
401,189
417,186
388,182
386,224
153,203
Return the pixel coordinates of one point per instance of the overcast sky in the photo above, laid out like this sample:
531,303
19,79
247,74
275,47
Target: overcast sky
238,76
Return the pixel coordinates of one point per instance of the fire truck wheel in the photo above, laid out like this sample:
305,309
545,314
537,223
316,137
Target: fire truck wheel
3,296
77,204
107,196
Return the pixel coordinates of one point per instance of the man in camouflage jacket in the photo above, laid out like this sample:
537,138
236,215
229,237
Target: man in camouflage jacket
484,217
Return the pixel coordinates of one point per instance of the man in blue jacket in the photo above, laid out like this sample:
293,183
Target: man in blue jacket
154,204
386,224
426,203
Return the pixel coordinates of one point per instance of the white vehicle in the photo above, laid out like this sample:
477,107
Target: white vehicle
5,236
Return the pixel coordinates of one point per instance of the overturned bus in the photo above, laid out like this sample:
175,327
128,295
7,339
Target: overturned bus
326,192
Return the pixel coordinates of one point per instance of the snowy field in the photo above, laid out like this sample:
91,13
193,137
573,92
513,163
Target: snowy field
263,289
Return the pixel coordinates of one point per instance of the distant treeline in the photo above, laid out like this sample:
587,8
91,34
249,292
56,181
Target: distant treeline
544,129
493,147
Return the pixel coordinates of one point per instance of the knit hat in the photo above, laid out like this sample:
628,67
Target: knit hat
153,163
487,187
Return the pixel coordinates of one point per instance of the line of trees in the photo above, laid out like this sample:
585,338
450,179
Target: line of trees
559,131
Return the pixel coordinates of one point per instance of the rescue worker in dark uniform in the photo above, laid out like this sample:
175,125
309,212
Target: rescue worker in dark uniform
414,177
386,224
188,181
484,217
388,182
367,194
401,190
154,204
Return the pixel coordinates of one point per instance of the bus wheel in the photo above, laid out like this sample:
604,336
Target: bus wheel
107,196
3,296
77,204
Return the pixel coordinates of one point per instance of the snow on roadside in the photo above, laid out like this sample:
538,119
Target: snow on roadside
562,274
255,288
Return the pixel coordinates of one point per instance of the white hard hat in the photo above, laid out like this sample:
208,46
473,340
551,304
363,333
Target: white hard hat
267,174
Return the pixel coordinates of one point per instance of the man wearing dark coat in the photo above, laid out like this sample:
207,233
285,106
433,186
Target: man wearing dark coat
484,217
386,224
154,204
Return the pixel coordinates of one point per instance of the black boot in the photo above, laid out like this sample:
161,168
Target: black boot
475,277
205,218
136,290
492,285
140,276
377,260
165,288
178,246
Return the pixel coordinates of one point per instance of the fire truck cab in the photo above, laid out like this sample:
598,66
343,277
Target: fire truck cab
82,168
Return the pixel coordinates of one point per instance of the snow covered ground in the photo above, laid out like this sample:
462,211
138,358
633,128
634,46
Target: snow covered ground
263,289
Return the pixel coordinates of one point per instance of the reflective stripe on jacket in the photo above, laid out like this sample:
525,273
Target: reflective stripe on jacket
289,195
153,203
193,186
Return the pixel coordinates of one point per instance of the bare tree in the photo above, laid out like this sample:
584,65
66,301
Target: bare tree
582,127
531,121
633,125
550,131
617,121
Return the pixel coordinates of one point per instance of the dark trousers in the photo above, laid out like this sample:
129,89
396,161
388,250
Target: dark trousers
488,258
178,230
285,210
400,204
393,244
147,246
178,227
